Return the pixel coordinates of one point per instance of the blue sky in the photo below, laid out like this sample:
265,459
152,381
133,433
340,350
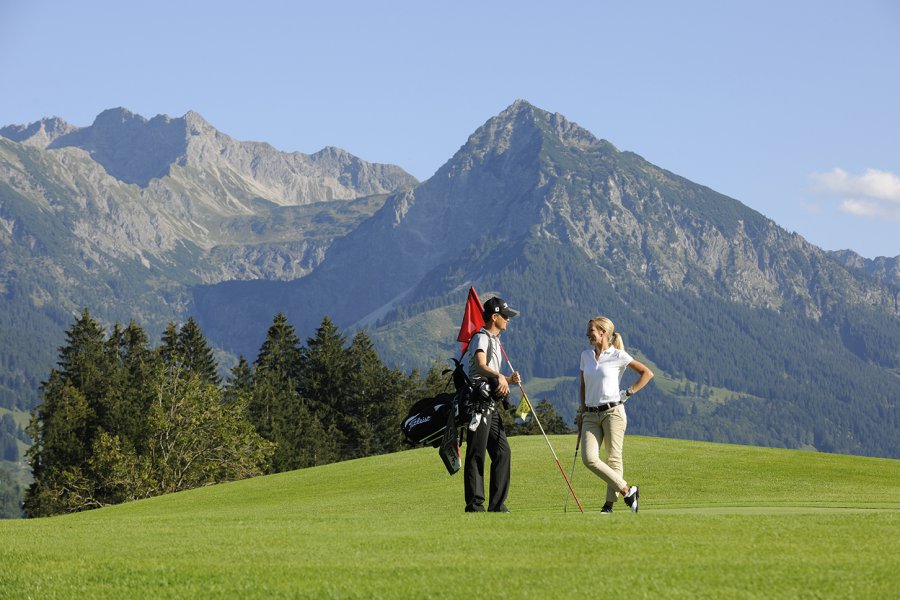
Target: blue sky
792,107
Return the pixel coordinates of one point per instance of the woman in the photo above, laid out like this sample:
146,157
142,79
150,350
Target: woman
601,416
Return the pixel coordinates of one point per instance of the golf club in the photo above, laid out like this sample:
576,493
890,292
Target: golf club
572,472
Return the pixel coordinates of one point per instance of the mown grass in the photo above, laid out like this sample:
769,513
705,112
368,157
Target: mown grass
716,521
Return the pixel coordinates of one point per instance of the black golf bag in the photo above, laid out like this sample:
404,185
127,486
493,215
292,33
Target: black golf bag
436,421
428,419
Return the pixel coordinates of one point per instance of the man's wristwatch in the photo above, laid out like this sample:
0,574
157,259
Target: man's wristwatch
629,392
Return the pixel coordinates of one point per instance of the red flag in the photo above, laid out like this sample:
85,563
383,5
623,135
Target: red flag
472,320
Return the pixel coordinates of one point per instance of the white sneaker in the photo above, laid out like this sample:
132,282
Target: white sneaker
631,498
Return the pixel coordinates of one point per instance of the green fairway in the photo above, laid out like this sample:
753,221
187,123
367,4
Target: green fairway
716,521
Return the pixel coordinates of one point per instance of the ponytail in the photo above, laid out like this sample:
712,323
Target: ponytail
617,341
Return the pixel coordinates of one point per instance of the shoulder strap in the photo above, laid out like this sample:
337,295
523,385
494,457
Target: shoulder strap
490,348
490,352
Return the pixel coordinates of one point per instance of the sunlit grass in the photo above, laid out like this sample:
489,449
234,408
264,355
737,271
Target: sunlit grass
716,521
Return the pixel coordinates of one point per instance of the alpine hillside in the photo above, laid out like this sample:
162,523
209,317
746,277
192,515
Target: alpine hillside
123,216
757,336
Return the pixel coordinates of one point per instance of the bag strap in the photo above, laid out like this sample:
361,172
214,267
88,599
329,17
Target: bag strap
490,348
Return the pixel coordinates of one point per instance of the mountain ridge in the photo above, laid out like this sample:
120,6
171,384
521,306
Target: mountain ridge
564,226
74,234
605,215
532,206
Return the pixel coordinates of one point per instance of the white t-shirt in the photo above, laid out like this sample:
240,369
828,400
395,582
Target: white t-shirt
602,376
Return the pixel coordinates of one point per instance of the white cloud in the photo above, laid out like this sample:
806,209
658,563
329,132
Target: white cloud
861,208
874,194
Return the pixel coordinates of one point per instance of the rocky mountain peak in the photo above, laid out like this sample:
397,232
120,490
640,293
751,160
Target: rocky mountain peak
130,148
883,268
524,135
528,173
141,151
39,134
196,123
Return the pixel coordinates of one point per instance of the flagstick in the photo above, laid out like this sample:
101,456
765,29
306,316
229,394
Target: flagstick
538,421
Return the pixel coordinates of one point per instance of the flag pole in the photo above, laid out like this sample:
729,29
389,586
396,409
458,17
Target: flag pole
538,421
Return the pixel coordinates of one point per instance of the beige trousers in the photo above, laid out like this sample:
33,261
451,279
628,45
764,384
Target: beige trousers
606,428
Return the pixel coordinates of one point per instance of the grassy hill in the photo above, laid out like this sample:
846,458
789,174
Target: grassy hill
716,521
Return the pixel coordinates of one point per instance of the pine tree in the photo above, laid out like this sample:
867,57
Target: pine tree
60,429
274,406
378,398
187,350
240,384
130,395
300,436
82,361
323,378
195,354
280,352
63,427
168,350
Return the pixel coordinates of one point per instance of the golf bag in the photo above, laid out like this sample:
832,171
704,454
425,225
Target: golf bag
427,419
436,421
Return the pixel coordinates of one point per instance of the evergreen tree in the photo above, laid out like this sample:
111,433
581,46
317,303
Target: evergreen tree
280,352
195,354
168,350
358,409
302,440
60,429
187,350
130,395
274,406
324,370
240,384
377,400
73,408
83,361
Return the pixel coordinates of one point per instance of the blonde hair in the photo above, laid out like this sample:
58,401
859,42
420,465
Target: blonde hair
606,325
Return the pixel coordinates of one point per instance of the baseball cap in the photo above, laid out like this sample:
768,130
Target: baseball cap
498,305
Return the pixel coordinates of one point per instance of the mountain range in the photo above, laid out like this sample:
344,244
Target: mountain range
756,335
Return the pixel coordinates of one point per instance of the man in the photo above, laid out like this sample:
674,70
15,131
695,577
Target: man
485,433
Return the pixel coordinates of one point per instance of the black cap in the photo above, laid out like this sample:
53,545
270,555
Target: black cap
497,305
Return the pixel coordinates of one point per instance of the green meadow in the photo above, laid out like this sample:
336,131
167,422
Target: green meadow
715,521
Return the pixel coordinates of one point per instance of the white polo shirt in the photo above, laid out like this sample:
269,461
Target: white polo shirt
482,342
602,376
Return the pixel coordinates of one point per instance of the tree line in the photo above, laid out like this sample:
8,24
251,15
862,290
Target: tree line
120,421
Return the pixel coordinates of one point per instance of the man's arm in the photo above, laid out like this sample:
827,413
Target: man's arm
485,371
